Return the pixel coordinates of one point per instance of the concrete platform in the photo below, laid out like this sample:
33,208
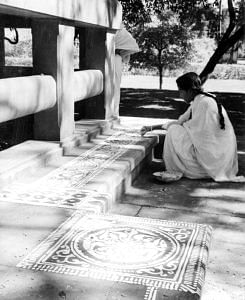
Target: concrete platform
41,189
108,155
31,154
65,191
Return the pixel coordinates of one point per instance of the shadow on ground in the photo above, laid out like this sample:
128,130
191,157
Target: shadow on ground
152,103
220,205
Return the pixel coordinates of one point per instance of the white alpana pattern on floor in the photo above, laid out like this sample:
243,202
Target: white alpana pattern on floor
150,252
66,186
72,198
81,170
154,254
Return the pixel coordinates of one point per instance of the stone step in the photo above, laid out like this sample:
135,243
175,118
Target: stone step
102,169
90,179
85,130
27,156
91,128
30,156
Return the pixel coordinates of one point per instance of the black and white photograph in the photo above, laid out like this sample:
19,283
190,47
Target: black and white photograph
122,150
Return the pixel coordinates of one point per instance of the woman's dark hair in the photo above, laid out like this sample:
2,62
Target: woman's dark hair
191,81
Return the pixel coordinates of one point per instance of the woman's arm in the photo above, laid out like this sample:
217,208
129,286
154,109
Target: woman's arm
185,116
167,125
164,126
181,120
145,129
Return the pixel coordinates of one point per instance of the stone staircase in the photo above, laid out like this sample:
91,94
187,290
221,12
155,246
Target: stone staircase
58,217
103,159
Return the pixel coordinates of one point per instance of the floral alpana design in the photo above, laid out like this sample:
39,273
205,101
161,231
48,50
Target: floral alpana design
58,196
124,247
164,254
66,186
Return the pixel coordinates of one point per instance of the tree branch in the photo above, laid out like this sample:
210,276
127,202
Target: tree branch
219,52
16,38
232,22
226,42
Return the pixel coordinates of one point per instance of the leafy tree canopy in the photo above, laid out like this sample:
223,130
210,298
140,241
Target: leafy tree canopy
138,11
192,13
164,43
187,9
134,13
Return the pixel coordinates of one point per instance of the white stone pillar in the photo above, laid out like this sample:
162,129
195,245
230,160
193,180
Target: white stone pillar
65,73
109,74
2,50
53,55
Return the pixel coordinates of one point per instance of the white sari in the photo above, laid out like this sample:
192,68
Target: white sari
198,147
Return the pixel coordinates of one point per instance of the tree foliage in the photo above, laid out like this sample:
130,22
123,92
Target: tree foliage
187,10
134,13
192,14
164,43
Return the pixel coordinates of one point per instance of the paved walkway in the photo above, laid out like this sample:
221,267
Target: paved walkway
221,205
74,261
58,243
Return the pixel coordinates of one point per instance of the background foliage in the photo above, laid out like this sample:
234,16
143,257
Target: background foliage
164,43
182,50
205,23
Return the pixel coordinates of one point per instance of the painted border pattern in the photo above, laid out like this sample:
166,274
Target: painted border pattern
69,198
65,187
189,273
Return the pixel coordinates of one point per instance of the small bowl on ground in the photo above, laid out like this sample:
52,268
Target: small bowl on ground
167,176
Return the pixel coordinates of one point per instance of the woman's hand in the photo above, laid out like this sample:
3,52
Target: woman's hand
144,130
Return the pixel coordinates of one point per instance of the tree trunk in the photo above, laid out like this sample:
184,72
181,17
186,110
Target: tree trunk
223,47
160,77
